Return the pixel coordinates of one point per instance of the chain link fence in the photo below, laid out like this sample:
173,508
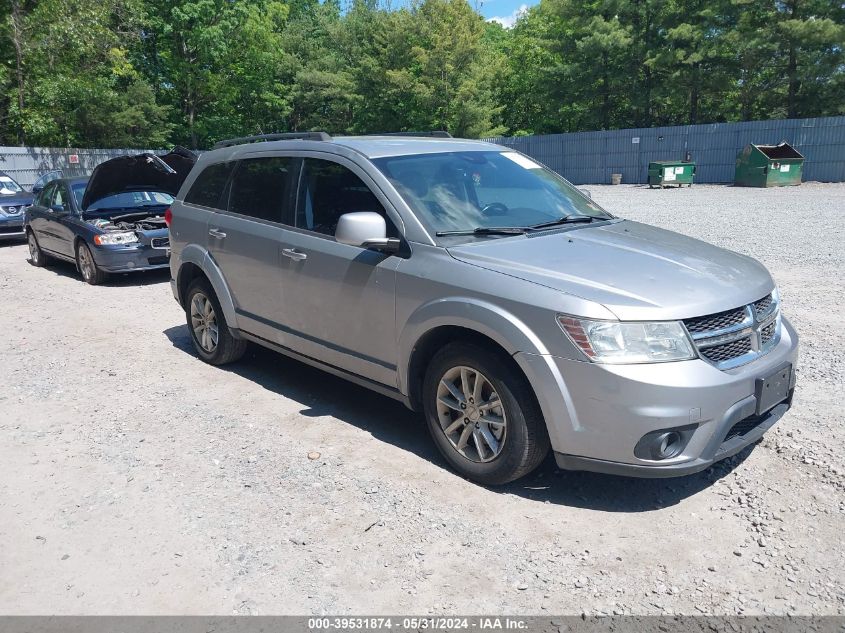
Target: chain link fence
26,164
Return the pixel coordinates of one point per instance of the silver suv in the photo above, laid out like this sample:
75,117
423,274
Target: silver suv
482,289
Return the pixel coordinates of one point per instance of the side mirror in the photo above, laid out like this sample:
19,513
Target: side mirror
586,192
58,209
366,229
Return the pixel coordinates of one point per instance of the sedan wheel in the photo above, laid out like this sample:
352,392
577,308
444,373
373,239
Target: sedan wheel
204,322
36,255
91,273
471,415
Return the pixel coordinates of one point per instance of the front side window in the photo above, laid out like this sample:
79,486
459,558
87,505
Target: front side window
260,188
463,191
207,190
60,199
46,197
328,190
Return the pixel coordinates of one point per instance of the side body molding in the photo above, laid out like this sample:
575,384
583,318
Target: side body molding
195,254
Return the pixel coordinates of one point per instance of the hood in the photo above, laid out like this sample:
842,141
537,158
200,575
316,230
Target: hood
635,270
141,172
21,199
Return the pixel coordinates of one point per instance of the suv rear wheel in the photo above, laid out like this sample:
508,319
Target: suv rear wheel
209,332
483,415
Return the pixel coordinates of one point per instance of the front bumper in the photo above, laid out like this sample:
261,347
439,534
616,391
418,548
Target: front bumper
596,414
126,259
11,226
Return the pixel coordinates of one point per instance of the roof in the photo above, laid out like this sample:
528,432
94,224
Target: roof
370,146
382,146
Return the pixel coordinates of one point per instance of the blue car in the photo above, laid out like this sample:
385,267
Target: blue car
114,222
119,233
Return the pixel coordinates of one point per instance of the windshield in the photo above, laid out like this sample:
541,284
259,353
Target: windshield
466,191
121,201
9,186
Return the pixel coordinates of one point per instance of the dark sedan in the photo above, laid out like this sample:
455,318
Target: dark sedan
118,233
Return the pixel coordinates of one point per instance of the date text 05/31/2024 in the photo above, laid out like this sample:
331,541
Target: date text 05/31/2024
416,623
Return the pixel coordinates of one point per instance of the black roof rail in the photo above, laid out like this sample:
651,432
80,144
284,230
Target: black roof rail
286,136
431,133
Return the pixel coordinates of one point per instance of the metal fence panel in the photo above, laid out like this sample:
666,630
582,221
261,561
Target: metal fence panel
591,157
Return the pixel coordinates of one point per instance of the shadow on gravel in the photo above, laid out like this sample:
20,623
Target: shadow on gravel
61,268
322,394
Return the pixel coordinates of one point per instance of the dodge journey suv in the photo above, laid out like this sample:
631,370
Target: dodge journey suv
483,290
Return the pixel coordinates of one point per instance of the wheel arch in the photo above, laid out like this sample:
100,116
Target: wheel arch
195,262
439,323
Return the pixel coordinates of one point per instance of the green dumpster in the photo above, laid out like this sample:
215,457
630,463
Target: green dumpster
768,166
663,173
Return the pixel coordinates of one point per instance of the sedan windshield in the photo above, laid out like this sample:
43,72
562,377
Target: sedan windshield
9,186
478,192
129,200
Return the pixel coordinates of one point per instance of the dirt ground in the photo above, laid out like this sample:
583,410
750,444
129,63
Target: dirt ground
135,479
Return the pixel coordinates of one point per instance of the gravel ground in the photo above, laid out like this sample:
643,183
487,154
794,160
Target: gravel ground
137,479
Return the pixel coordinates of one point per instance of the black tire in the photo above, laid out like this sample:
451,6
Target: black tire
525,441
227,348
87,265
37,257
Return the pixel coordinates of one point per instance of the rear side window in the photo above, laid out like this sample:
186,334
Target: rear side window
207,190
261,187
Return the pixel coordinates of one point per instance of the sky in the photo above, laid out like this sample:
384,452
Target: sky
504,12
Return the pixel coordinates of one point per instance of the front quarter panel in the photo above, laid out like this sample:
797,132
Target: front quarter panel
433,290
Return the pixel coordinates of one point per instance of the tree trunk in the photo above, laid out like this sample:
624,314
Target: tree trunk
17,41
792,71
605,97
695,93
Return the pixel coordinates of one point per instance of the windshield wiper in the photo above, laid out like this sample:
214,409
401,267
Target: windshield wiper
567,219
486,230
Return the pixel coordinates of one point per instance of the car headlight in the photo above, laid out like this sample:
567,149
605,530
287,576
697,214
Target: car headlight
122,237
623,342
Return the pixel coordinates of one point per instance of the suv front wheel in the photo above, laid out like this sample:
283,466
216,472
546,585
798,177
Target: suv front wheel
209,331
483,415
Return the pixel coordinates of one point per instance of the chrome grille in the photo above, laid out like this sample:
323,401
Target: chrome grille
727,351
768,332
763,306
734,337
13,210
717,321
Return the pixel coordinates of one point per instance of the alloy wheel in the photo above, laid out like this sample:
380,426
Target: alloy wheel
204,322
34,251
471,414
86,263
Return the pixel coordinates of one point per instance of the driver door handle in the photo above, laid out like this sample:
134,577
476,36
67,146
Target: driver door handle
216,233
294,254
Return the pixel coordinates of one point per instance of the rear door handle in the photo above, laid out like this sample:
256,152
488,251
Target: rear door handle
294,254
216,233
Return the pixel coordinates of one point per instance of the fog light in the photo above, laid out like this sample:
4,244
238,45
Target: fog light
665,443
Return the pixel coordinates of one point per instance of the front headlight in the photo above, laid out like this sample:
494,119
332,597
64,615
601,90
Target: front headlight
628,342
122,237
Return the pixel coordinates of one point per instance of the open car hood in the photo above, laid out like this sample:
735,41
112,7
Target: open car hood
140,172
